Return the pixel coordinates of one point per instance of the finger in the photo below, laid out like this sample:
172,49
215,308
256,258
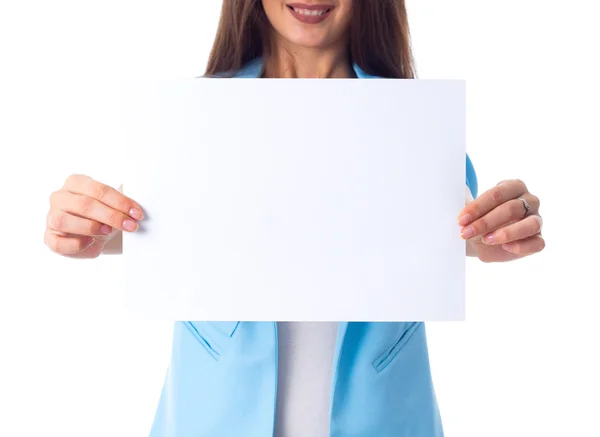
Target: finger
64,222
507,213
526,246
531,225
67,245
533,201
90,208
86,186
489,200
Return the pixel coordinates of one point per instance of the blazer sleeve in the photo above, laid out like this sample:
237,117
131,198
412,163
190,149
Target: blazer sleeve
471,178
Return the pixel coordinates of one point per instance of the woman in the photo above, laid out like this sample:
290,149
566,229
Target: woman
301,379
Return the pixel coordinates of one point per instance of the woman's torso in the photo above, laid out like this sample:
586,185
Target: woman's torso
253,379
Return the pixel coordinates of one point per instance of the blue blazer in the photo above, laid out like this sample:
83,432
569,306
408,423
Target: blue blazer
222,378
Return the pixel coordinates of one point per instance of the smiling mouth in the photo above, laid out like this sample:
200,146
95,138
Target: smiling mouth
309,12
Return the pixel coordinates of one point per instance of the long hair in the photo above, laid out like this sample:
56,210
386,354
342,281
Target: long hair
379,38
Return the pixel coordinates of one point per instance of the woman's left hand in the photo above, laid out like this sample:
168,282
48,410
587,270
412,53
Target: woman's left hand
503,223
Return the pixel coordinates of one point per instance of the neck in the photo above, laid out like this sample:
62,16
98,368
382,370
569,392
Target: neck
286,61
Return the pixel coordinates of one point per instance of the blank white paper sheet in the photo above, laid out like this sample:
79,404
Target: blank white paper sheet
295,199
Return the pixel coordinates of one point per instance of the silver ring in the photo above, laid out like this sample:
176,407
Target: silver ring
526,205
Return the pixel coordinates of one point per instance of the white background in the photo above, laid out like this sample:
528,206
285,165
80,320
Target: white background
526,361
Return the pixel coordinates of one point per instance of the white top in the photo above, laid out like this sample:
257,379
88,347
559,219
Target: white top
306,351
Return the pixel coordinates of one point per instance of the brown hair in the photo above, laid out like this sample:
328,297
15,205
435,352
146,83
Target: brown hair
379,38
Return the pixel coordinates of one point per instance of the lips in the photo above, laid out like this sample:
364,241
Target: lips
310,14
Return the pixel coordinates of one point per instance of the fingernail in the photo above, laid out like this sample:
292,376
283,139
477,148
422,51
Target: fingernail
105,229
130,225
89,241
468,232
464,219
136,214
507,246
489,238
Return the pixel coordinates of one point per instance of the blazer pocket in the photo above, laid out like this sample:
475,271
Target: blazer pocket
388,356
211,335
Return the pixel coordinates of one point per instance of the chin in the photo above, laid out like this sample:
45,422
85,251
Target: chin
309,40
309,43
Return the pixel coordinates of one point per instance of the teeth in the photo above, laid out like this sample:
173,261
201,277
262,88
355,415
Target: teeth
310,13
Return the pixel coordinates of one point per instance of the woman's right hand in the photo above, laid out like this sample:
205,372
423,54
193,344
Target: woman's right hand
85,215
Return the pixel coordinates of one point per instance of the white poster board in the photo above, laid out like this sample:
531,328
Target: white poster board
295,199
